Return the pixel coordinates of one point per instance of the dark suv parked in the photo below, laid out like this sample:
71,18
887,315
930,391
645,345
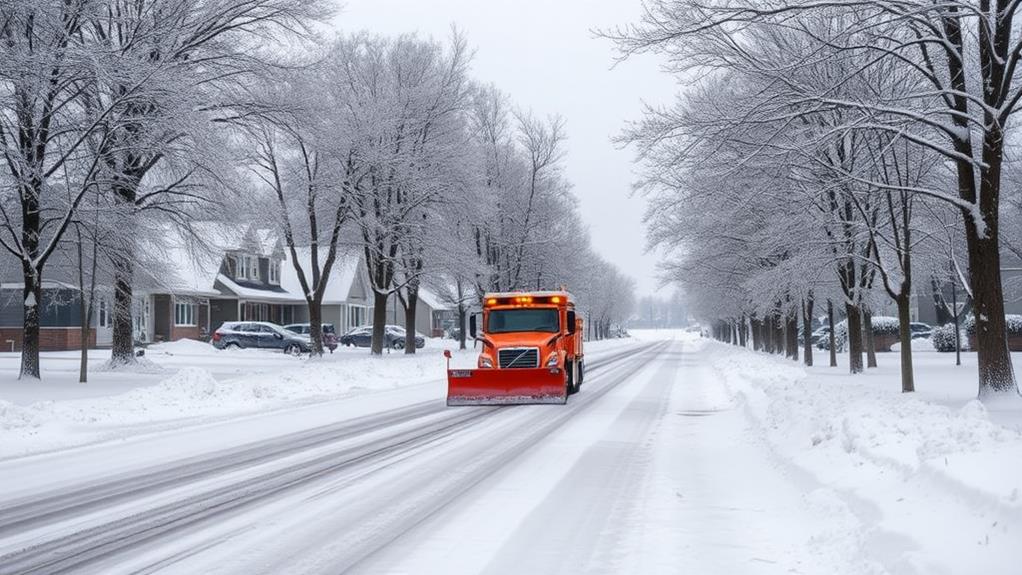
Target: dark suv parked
259,334
329,333
393,337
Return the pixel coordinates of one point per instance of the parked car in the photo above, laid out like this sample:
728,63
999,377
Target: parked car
329,333
920,330
259,334
393,337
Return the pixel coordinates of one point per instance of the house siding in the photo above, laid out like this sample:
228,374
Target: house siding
50,338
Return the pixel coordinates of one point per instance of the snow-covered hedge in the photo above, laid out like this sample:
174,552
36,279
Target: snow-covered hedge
944,338
1014,325
882,325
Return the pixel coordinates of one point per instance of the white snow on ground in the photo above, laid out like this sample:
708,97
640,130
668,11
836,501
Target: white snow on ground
704,459
919,486
203,384
918,344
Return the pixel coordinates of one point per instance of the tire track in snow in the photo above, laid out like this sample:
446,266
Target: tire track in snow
71,551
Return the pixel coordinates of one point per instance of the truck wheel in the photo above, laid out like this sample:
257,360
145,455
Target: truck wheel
572,378
581,372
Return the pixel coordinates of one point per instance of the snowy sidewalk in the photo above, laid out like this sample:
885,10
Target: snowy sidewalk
912,486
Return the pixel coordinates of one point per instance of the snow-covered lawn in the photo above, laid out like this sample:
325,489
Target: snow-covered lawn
923,483
189,382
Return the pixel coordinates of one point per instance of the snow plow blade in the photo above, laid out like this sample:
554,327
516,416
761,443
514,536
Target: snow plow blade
505,386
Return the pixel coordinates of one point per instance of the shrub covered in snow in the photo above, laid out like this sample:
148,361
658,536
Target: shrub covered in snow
1014,324
944,338
882,326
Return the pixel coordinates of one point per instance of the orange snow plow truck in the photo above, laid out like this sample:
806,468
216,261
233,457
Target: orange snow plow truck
532,351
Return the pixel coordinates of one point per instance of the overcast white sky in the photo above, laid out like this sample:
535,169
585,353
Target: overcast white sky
542,53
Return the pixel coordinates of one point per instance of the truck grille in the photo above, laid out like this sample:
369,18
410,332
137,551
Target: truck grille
518,357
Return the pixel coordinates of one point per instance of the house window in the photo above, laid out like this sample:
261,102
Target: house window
185,314
104,313
242,267
232,266
253,268
275,272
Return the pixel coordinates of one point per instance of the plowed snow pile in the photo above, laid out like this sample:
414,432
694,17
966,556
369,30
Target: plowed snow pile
931,488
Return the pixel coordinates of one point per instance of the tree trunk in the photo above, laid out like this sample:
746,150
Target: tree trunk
743,336
85,309
869,337
778,327
315,305
832,335
942,313
410,306
854,338
379,322
905,336
461,325
996,374
32,298
791,329
807,330
123,350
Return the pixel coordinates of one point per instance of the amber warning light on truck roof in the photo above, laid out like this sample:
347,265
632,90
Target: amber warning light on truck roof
523,300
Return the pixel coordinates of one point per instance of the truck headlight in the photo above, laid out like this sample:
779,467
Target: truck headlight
485,361
552,360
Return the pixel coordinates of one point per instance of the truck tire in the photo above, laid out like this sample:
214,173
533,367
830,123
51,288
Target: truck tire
572,377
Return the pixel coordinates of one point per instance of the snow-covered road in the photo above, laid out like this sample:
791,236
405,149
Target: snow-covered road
662,464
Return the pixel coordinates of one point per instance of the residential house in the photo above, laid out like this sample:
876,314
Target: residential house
187,285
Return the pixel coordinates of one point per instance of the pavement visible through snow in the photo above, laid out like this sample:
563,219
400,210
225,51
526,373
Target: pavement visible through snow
681,456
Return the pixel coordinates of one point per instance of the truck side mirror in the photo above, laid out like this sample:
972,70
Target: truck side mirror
472,326
571,322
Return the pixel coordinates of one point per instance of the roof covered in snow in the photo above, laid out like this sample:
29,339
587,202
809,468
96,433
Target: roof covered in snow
342,275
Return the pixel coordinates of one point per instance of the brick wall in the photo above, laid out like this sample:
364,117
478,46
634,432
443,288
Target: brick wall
182,332
50,338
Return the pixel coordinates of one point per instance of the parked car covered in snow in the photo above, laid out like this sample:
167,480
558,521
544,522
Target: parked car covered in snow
920,330
329,333
260,335
393,337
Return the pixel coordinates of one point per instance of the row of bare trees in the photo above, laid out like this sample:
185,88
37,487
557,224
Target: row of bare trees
387,145
106,109
830,154
122,121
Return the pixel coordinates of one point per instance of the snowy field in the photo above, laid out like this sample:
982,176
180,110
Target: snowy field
678,456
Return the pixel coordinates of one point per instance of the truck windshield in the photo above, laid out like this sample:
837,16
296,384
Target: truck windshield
511,320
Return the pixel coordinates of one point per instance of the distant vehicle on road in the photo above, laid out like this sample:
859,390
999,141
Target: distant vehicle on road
329,333
260,335
393,337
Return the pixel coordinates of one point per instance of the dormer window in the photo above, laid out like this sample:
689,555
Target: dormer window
247,267
275,272
242,267
253,267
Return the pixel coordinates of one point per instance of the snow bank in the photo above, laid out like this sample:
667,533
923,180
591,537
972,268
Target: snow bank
920,344
927,472
219,389
183,347
141,365
194,394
